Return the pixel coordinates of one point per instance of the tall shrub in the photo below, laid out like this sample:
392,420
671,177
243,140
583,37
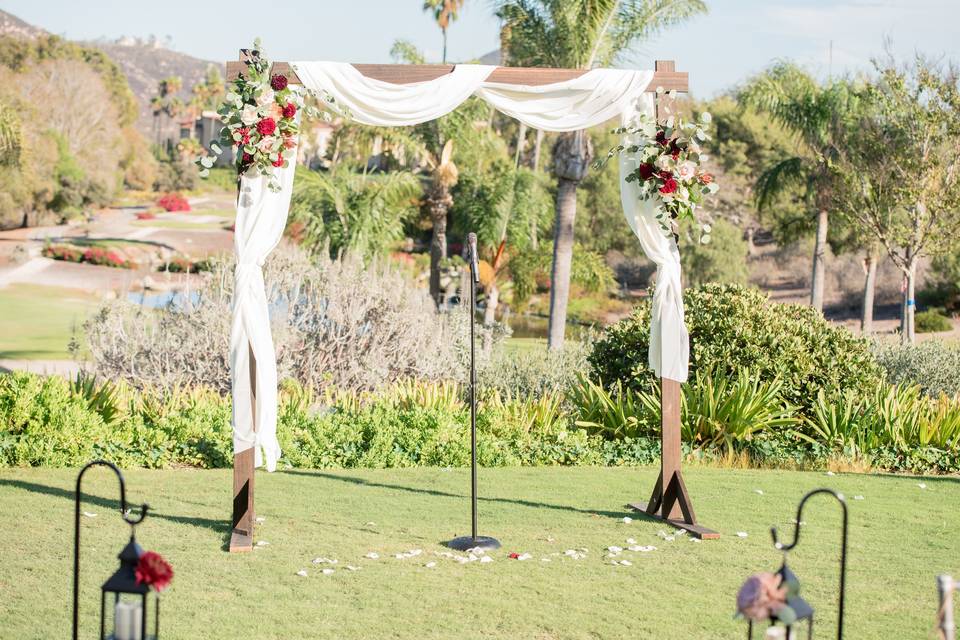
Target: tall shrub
734,328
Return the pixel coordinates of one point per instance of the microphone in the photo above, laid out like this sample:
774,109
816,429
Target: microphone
474,265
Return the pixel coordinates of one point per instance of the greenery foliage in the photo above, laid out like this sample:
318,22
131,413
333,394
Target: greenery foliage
723,260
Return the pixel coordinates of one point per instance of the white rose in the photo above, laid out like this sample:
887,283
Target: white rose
249,115
265,97
687,170
705,117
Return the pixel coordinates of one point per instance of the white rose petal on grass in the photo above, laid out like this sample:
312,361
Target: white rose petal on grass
302,573
373,555
858,497
922,485
631,541
614,549
89,514
627,519
759,492
742,534
350,567
430,565
831,473
262,543
261,519
327,572
626,563
545,560
486,559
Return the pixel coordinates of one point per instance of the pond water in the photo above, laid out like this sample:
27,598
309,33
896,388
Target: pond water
162,299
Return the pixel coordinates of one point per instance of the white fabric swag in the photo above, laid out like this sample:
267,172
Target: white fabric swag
589,100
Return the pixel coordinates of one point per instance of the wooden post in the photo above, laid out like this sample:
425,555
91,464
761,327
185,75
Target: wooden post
670,501
244,516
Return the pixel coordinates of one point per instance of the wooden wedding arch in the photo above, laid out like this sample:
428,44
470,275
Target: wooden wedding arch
669,501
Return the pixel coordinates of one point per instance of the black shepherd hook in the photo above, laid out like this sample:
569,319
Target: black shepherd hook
843,545
132,521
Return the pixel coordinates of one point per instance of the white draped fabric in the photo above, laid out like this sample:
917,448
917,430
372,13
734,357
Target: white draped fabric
589,100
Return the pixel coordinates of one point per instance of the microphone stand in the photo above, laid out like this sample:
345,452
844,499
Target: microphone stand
473,541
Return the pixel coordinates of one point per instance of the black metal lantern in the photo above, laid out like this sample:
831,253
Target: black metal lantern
126,608
130,601
788,619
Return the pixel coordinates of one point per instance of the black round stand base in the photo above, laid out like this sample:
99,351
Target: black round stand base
464,543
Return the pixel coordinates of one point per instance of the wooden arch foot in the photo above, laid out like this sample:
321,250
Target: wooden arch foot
670,501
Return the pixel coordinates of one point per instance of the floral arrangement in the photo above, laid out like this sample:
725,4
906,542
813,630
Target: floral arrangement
153,571
766,596
173,202
669,167
259,113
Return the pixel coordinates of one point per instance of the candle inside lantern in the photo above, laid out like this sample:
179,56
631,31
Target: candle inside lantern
775,633
123,621
137,621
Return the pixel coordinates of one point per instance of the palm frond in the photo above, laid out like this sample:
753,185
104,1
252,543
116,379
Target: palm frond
783,175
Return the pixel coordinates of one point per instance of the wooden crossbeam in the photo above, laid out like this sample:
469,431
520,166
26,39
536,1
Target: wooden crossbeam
665,76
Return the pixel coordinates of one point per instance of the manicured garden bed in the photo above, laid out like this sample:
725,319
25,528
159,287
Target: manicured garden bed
901,537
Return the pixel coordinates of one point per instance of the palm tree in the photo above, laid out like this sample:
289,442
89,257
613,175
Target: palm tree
579,34
444,12
347,210
815,115
11,136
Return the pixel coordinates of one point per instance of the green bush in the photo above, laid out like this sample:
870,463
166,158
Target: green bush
534,373
932,321
733,328
933,365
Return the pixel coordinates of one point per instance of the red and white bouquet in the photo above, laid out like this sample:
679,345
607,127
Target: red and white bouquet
259,113
669,167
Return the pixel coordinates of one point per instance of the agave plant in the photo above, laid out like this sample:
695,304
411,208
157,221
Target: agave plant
615,412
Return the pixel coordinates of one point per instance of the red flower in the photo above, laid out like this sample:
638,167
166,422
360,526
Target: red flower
514,555
662,138
669,186
267,126
706,178
153,571
290,110
244,134
665,175
279,161
278,82
247,158
646,170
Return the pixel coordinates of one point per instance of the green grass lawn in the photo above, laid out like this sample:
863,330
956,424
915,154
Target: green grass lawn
901,537
37,322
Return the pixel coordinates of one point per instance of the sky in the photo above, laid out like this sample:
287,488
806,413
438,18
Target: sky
736,39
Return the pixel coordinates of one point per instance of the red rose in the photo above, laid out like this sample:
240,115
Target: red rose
266,127
662,138
278,82
665,175
153,571
706,178
646,170
279,161
244,134
514,555
669,186
247,158
290,110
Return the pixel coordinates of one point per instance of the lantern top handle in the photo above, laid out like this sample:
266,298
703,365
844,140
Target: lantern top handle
124,511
